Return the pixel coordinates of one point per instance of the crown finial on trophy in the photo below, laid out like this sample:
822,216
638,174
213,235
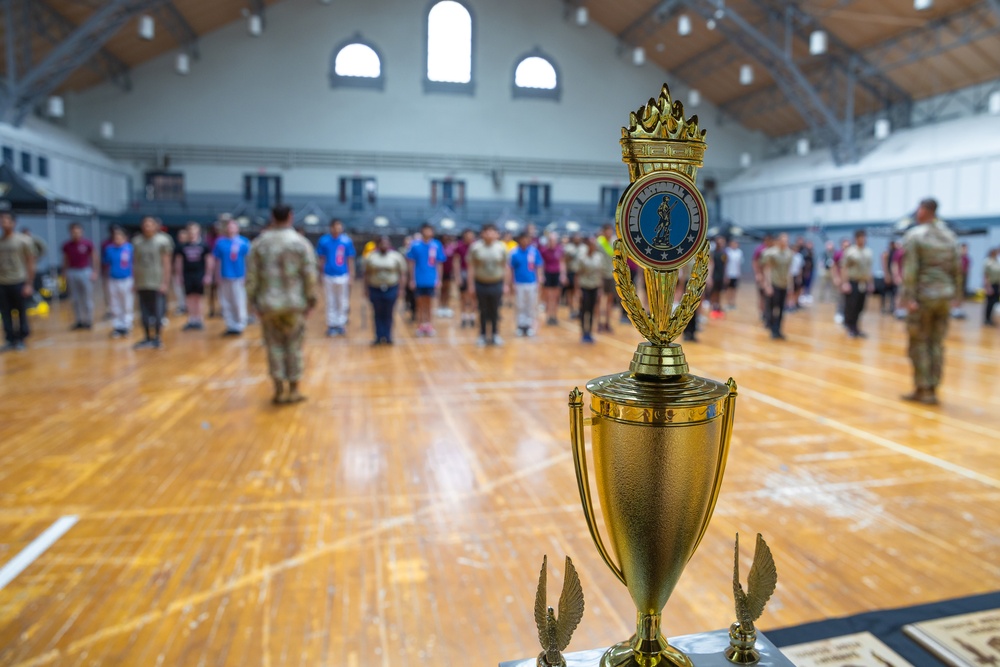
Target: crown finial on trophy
659,138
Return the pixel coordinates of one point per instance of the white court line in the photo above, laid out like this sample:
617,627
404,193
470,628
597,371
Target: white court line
872,438
30,553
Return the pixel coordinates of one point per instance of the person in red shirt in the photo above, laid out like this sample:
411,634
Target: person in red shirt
80,271
555,275
460,261
447,275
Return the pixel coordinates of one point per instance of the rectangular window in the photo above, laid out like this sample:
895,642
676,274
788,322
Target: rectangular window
855,191
448,192
819,195
534,197
25,162
43,166
262,189
357,191
164,186
609,199
8,155
837,193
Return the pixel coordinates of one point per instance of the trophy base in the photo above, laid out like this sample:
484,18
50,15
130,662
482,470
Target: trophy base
622,655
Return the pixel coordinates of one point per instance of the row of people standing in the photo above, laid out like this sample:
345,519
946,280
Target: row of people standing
488,270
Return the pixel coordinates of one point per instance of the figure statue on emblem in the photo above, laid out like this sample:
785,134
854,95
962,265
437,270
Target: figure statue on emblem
662,237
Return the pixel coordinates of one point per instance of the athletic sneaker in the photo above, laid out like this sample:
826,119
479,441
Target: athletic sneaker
143,345
521,331
587,338
496,340
331,331
529,332
481,341
119,333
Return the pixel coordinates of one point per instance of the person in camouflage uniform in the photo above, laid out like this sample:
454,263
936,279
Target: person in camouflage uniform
281,288
932,279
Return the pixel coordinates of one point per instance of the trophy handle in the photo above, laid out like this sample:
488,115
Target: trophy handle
576,434
727,433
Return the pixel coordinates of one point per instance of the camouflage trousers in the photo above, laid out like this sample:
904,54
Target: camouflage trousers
283,337
927,327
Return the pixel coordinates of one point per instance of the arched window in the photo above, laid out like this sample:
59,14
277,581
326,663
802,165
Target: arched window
535,75
449,48
356,63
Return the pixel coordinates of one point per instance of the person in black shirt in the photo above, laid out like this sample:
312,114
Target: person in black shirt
719,259
193,261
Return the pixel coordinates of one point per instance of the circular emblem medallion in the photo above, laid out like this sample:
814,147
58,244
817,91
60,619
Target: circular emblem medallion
661,219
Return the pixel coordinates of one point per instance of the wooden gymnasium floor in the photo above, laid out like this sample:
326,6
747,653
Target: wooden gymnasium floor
400,516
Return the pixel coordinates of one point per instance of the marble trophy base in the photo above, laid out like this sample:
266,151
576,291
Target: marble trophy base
705,650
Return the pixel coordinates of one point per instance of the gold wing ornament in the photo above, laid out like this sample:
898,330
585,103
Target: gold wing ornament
554,633
570,606
540,606
761,582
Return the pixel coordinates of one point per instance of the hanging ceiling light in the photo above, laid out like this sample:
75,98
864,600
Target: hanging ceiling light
107,130
882,128
694,98
147,27
921,5
56,108
745,160
255,25
802,146
582,16
710,24
817,42
746,75
993,103
638,56
183,63
683,25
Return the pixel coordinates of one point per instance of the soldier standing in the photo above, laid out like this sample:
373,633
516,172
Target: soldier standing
17,279
152,250
932,279
776,263
856,274
281,287
991,283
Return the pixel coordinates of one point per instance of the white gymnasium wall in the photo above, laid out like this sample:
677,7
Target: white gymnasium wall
273,92
78,172
957,162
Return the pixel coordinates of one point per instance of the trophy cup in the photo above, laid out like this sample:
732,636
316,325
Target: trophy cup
660,435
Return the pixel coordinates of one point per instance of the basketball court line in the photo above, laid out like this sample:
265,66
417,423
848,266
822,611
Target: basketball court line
36,548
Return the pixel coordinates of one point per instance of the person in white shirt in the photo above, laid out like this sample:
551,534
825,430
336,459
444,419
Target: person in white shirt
795,281
734,269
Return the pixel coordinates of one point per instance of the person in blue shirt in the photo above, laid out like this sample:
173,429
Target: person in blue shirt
231,251
118,257
335,253
426,257
526,264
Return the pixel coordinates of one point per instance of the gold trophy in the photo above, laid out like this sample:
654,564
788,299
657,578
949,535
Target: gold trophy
660,435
